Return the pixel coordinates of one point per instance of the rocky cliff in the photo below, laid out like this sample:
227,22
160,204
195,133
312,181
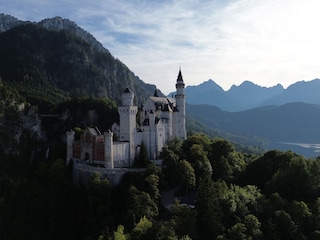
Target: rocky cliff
7,22
58,24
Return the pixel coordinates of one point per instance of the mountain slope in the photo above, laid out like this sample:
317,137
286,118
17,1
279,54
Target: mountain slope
54,65
58,24
302,91
292,122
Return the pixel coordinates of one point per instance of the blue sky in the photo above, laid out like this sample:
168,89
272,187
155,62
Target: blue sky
263,41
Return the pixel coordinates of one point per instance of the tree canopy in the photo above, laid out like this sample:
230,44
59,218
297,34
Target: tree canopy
215,191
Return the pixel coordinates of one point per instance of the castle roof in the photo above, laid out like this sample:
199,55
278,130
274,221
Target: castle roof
165,102
94,131
180,83
158,99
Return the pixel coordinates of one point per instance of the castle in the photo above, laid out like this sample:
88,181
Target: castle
161,118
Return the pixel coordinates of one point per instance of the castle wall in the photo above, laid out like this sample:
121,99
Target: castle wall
139,137
174,124
116,130
167,120
82,173
108,150
98,151
161,138
76,150
121,153
87,152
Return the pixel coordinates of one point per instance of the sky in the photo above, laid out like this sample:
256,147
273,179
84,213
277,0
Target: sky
229,41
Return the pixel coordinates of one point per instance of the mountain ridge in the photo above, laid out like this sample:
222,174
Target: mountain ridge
301,91
7,22
59,23
249,95
58,59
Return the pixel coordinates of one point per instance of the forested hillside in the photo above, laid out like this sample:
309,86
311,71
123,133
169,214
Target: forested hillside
220,194
55,65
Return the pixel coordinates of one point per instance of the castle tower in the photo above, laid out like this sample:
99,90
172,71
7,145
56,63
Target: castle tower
70,139
128,114
108,150
152,142
181,109
167,113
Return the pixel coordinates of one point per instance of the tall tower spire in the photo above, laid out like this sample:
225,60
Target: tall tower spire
180,120
180,83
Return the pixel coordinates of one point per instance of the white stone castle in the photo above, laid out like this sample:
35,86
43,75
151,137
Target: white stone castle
161,118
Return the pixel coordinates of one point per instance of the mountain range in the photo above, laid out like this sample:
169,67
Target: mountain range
249,95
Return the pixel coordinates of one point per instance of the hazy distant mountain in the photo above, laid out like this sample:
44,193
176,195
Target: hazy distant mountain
307,92
209,93
249,95
292,122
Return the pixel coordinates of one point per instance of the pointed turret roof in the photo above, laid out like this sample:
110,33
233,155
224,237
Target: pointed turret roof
179,79
180,83
94,131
